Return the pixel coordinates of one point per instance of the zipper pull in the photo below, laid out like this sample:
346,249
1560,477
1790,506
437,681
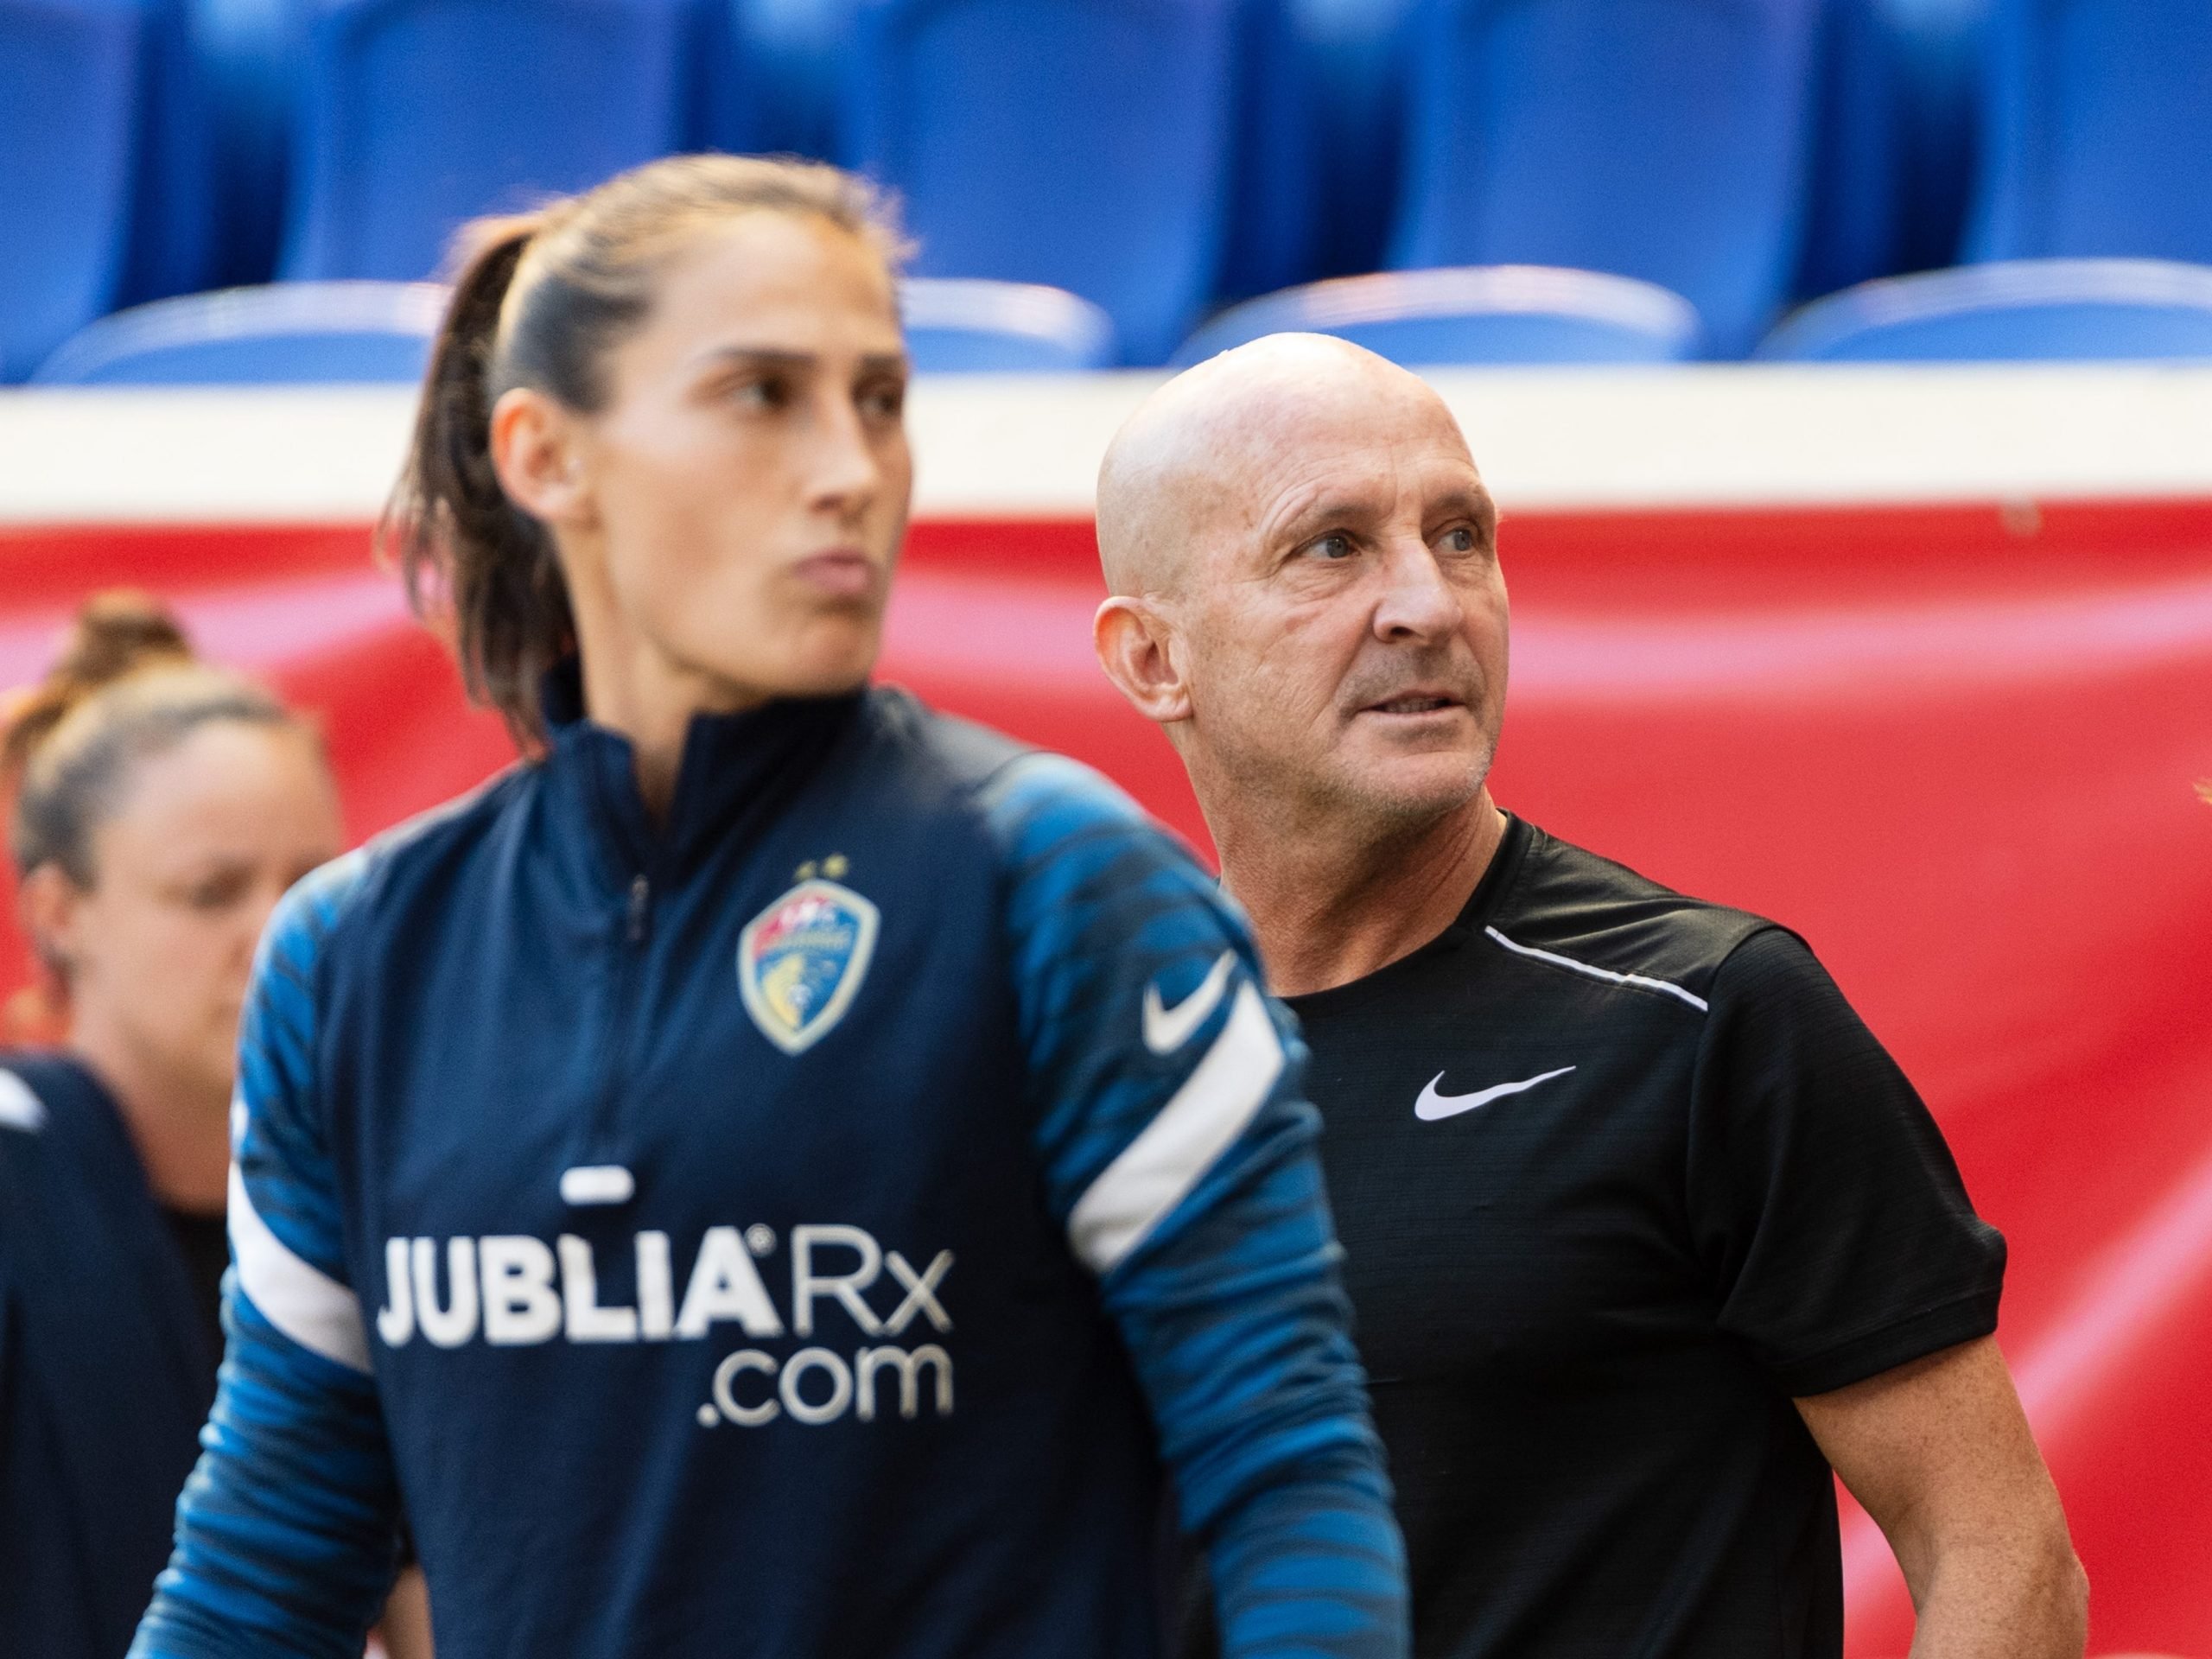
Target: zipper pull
641,893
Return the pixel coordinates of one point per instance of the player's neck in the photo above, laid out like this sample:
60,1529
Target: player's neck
631,687
1328,910
179,1127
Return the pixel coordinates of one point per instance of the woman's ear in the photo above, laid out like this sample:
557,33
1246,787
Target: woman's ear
48,907
536,450
1138,649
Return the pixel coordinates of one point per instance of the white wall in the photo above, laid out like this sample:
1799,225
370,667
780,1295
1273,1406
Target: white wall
1028,447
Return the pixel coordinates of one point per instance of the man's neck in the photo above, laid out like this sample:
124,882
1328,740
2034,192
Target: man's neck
1328,910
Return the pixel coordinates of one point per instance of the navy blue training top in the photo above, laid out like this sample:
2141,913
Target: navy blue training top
804,1229
105,1367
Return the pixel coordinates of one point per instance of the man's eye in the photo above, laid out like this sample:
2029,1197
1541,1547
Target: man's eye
1332,548
883,403
769,391
1461,540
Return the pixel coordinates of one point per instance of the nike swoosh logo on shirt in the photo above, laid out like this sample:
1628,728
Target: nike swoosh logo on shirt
1432,1105
1167,1029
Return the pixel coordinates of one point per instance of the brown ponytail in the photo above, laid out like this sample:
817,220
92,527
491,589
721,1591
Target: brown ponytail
538,300
126,686
454,528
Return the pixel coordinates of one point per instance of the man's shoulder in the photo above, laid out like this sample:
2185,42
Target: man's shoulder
1581,910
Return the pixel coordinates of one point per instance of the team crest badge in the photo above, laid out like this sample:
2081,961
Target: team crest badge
800,962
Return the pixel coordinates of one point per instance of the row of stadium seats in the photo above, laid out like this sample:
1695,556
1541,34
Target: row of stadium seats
297,333
1153,156
294,333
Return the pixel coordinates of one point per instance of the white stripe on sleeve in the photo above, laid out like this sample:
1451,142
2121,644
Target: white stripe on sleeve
1157,1170
305,1303
19,1108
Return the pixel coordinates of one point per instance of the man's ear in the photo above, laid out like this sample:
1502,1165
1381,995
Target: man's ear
1138,649
535,450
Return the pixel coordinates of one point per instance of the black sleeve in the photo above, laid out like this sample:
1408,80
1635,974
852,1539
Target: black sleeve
1822,1198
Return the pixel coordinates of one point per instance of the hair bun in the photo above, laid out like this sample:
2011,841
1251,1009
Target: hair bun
117,632
114,635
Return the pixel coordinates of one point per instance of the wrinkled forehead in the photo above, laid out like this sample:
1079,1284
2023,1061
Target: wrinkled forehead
1383,443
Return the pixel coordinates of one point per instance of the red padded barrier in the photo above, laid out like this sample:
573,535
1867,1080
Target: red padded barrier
1958,748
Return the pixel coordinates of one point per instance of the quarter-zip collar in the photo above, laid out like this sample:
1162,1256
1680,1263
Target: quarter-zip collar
737,771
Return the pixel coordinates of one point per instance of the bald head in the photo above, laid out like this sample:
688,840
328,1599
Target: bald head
1201,457
1306,595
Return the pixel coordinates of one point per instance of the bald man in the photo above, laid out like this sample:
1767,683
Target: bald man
1645,1231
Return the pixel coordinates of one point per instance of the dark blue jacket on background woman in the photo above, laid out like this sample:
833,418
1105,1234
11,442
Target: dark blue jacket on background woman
107,1365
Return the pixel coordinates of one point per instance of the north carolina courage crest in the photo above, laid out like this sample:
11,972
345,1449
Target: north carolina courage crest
800,962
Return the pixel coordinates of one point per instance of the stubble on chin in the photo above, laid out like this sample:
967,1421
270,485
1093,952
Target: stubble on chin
1336,796
1389,808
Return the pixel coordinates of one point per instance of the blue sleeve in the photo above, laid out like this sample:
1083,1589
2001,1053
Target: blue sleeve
284,1542
1179,1154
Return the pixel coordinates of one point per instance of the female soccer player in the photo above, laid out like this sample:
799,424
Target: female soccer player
779,1171
160,810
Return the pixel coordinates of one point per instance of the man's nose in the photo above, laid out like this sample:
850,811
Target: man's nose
1418,603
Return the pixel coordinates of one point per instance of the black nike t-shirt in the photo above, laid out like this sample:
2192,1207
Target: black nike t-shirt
1617,1174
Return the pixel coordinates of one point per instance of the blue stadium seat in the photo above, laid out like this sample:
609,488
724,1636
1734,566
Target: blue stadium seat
1855,201
250,54
2097,131
2017,310
772,75
70,86
416,114
1899,96
174,245
1938,46
970,326
1345,101
1667,139
1275,205
1482,314
288,333
1082,144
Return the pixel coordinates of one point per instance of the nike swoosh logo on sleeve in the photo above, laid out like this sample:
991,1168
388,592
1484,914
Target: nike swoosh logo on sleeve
1432,1105
1167,1029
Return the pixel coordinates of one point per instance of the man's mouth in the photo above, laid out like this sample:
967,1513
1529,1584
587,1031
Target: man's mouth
1413,703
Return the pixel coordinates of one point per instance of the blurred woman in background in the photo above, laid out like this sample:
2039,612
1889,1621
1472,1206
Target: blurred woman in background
161,807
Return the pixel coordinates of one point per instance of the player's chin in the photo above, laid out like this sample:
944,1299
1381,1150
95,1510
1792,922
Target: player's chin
833,652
